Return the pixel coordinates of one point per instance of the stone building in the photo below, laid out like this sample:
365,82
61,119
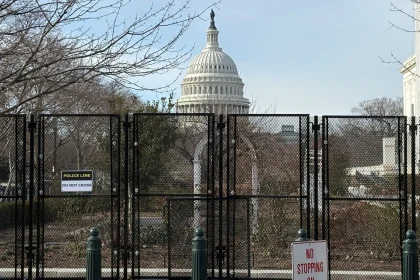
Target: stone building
410,83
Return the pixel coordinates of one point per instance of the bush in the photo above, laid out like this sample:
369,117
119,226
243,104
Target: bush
59,209
8,214
362,228
153,234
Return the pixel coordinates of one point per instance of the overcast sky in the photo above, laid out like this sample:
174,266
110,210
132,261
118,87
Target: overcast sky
306,56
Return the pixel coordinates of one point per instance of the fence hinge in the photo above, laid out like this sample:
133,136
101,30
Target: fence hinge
316,127
221,125
126,124
412,127
31,125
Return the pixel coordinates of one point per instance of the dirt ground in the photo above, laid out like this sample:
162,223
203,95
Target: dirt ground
66,242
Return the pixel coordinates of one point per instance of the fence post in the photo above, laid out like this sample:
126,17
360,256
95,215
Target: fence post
93,265
410,259
302,235
199,256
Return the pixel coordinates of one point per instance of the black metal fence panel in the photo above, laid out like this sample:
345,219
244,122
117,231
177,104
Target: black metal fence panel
237,253
173,159
365,192
250,181
78,188
181,212
268,190
413,180
12,196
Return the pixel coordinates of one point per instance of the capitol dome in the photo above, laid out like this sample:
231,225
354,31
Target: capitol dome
212,83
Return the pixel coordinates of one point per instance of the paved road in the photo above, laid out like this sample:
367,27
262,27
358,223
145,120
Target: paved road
162,273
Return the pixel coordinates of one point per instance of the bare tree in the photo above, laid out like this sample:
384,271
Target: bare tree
383,106
361,139
413,15
380,109
46,46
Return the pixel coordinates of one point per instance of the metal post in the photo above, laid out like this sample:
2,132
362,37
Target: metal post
30,256
126,187
199,256
93,264
302,236
220,252
410,269
413,130
315,129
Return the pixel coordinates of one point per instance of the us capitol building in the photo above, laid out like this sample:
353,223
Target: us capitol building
212,83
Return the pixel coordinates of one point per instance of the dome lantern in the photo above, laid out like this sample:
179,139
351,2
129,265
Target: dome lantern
212,35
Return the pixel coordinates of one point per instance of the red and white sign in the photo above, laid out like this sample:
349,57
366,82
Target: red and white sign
309,260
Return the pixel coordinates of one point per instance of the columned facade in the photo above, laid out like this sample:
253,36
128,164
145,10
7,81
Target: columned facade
410,89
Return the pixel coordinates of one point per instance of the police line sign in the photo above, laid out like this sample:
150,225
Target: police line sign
77,181
309,260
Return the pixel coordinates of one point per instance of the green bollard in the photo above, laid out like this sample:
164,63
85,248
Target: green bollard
410,270
199,256
302,236
93,265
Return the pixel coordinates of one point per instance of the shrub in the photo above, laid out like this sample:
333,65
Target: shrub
59,209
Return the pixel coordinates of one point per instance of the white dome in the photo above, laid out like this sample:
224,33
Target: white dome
212,61
212,83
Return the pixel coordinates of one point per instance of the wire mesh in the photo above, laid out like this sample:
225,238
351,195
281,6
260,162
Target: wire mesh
172,154
180,234
172,159
12,196
268,161
366,192
238,247
412,173
250,185
68,144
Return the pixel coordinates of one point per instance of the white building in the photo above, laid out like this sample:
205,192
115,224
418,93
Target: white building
411,88
212,83
410,73
410,92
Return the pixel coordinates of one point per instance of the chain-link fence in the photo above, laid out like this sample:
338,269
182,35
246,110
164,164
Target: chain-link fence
172,175
78,188
13,203
268,181
365,192
250,181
